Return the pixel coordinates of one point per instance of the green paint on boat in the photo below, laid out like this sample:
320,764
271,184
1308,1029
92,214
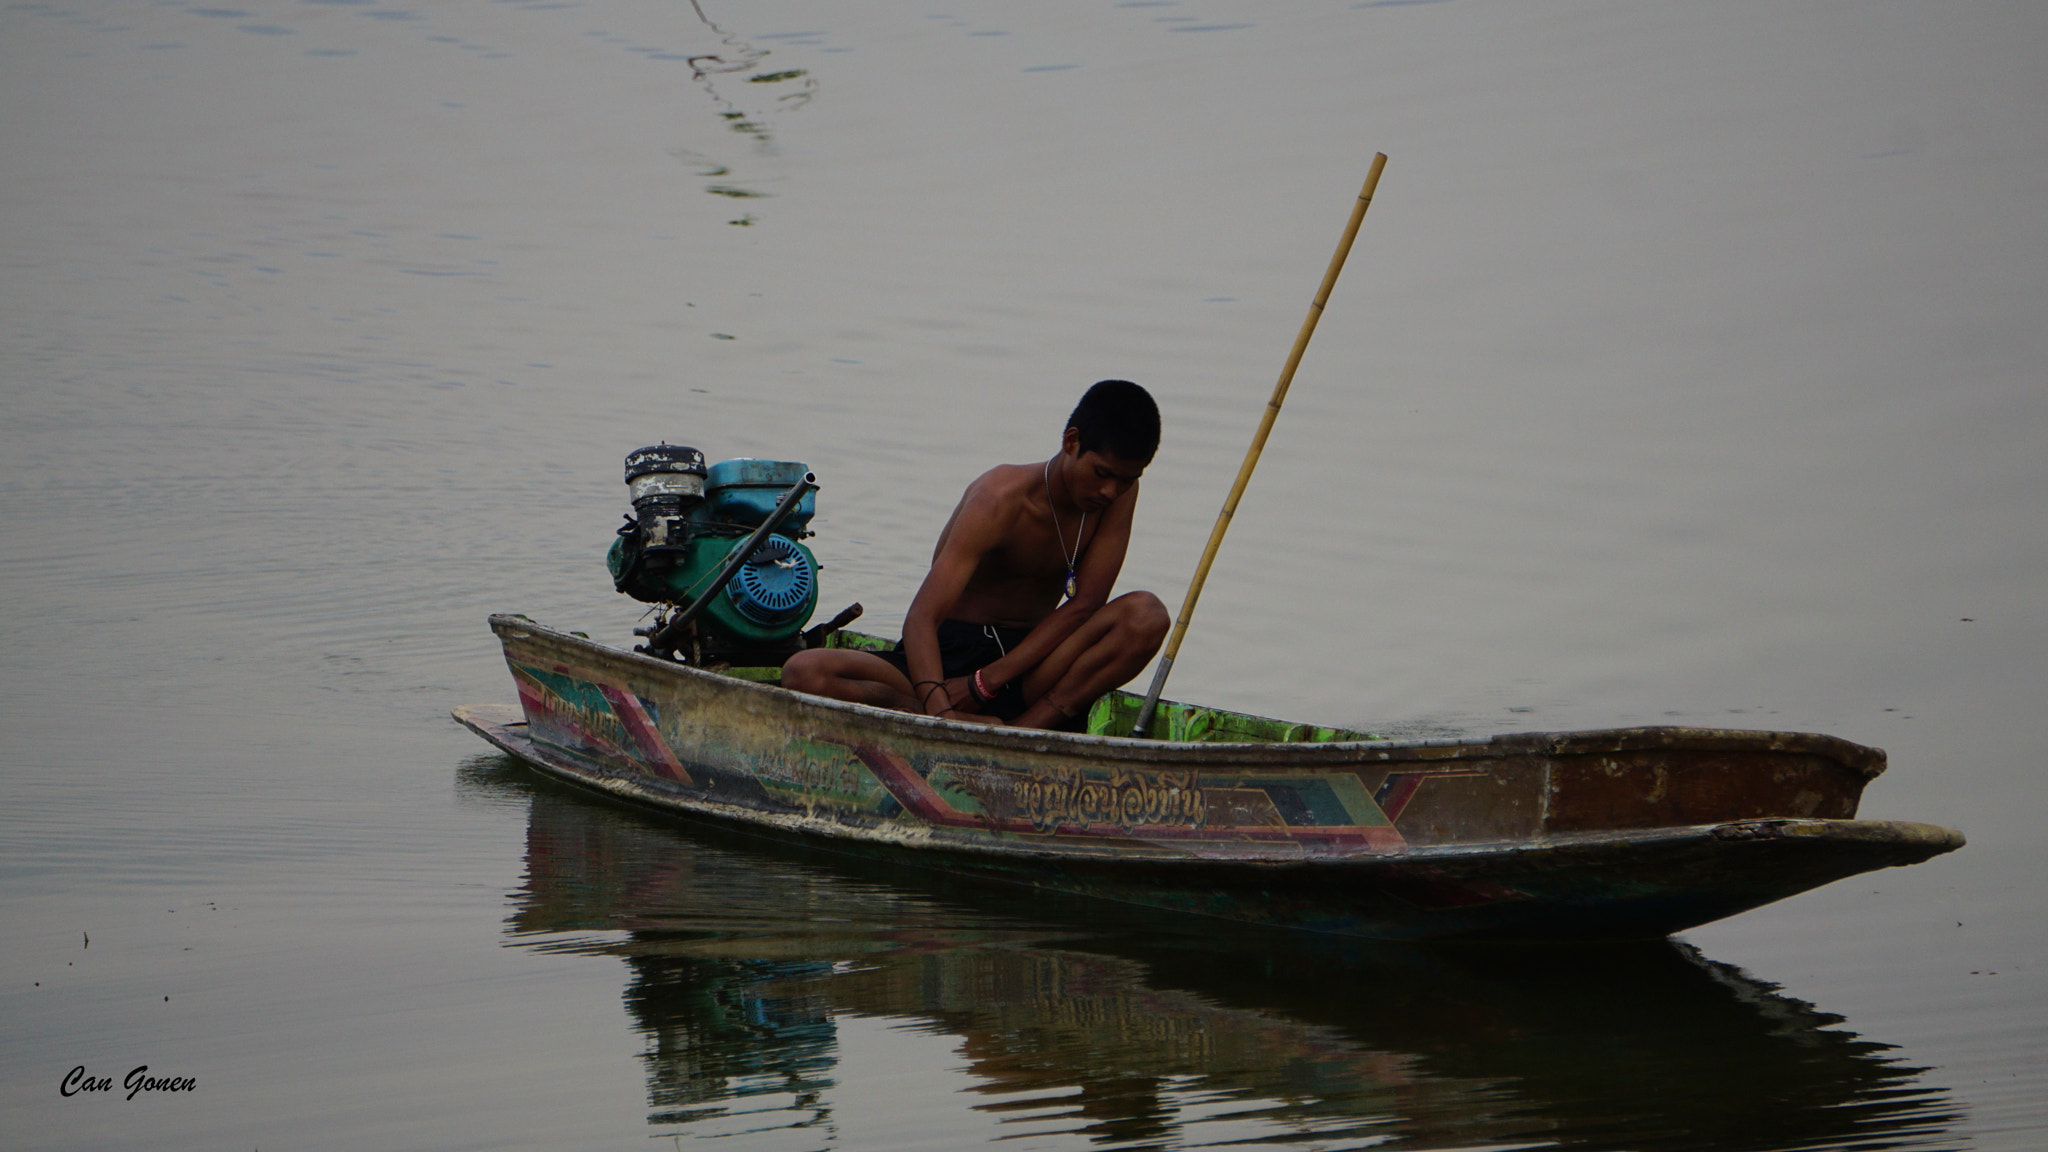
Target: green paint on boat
1117,713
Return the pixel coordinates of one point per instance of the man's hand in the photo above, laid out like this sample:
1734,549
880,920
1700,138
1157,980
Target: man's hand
960,695
952,699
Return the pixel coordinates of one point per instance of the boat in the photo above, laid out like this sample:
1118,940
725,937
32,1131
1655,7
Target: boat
1611,834
1636,832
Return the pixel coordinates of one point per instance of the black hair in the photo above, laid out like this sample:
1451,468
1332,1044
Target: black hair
1119,416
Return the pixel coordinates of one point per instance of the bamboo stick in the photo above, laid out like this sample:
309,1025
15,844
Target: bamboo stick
1251,456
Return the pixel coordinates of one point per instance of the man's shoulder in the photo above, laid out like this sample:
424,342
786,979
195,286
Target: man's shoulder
1004,485
995,499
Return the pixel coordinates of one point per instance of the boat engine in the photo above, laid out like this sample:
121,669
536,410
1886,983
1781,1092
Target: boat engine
719,550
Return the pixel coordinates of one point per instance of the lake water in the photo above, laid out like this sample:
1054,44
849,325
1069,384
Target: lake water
1689,369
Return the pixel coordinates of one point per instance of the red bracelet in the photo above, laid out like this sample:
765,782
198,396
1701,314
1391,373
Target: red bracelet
981,691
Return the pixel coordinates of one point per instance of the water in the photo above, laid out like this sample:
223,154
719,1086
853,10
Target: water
1687,370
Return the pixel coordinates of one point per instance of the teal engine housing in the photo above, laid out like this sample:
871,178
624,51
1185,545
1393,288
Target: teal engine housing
688,519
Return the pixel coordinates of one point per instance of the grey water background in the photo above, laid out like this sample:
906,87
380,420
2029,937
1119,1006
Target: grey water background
1689,370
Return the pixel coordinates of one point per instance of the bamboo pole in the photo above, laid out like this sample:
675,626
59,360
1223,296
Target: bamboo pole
1251,456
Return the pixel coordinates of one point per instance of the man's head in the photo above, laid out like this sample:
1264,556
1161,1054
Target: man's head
1118,418
1110,439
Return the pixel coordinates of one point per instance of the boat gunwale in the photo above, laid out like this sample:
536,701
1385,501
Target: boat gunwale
1866,761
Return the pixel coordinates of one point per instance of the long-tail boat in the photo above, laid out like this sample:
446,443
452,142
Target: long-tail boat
1635,832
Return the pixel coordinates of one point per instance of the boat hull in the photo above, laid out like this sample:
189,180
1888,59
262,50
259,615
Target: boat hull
1638,832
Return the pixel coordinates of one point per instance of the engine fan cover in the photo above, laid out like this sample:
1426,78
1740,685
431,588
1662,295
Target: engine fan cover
776,585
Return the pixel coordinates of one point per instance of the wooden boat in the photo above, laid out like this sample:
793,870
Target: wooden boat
1621,833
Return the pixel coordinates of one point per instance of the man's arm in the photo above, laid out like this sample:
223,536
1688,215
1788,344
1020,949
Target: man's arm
977,528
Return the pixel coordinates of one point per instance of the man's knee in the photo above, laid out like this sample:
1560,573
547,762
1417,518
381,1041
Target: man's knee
802,672
1147,618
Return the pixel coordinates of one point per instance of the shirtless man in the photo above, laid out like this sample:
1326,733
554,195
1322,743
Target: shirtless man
987,637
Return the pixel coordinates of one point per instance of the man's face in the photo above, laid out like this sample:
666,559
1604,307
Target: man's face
1099,478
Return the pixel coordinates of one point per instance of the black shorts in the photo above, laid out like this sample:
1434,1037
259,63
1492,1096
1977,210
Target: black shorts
964,648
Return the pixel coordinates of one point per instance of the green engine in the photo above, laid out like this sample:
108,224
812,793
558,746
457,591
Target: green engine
694,540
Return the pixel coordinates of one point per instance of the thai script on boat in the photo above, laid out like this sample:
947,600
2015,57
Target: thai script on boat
1126,798
815,769
572,712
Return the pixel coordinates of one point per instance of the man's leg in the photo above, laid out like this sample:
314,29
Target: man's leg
1114,645
842,674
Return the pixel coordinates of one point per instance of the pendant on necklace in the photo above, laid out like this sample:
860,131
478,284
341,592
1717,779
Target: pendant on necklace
1074,557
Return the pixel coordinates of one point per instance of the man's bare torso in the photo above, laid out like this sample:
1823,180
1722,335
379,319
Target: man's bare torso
1019,582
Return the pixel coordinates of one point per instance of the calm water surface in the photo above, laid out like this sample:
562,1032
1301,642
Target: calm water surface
1689,370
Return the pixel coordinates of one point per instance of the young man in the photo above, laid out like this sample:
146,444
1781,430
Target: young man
1014,624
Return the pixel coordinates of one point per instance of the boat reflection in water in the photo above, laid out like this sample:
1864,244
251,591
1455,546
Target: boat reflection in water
746,965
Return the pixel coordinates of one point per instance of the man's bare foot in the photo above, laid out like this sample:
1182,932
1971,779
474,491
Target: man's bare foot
1046,714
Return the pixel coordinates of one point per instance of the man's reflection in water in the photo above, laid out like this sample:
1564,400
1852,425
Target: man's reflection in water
1075,1020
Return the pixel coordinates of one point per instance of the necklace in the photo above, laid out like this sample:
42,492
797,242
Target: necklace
1074,557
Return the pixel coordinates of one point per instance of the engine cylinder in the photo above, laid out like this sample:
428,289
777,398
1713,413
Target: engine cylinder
667,484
